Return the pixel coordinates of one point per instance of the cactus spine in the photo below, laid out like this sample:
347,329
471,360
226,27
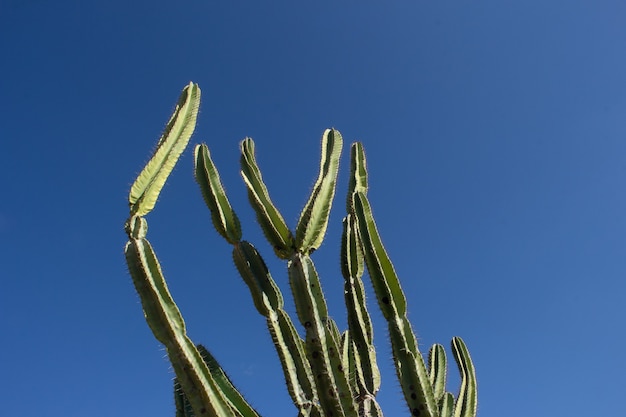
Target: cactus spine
328,373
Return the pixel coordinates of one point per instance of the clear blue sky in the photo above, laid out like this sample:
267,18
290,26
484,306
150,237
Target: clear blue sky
496,141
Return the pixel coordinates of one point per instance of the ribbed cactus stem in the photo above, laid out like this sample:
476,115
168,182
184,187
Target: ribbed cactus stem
437,366
467,399
178,131
314,218
182,404
359,322
323,352
224,218
271,221
446,405
168,327
289,346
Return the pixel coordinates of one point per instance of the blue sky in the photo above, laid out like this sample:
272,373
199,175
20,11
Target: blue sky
495,135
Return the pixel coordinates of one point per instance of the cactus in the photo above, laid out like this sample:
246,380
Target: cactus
328,373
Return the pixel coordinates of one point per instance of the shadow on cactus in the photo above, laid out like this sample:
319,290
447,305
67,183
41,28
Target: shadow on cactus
328,373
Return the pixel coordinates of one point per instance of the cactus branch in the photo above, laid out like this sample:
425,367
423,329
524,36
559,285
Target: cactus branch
183,407
359,322
314,217
146,188
182,404
358,174
289,346
446,405
168,327
323,351
224,218
408,360
270,219
437,366
226,386
467,399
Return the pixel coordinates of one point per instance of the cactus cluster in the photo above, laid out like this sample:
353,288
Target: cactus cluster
328,373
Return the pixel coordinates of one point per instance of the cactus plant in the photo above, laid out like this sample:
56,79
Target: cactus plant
328,373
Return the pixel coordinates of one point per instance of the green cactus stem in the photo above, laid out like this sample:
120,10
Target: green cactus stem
289,346
467,399
224,218
322,349
437,365
270,219
178,131
359,322
314,218
168,327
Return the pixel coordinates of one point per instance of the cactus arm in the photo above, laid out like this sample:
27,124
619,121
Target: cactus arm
322,350
183,407
385,281
168,327
467,399
291,352
336,335
369,407
224,218
314,217
409,363
359,322
146,188
446,405
272,222
352,268
347,358
289,346
366,401
358,174
437,366
251,266
225,384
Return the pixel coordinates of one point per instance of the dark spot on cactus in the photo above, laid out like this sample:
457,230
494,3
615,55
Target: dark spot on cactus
411,387
203,411
415,412
413,396
385,300
307,324
340,368
315,354
422,406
